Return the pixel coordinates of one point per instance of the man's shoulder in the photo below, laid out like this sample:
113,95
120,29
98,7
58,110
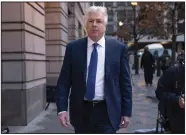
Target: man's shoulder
116,42
176,66
173,69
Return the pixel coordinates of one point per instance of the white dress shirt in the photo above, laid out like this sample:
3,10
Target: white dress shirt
99,84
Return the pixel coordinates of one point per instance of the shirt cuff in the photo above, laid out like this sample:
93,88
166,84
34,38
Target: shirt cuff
61,112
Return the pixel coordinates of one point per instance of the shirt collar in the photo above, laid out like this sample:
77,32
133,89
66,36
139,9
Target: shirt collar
101,42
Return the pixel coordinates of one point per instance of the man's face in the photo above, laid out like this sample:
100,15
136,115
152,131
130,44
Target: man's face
95,26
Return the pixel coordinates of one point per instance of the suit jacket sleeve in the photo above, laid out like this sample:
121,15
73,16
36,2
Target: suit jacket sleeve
125,84
64,82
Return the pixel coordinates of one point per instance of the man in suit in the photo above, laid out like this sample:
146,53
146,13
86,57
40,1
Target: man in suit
96,73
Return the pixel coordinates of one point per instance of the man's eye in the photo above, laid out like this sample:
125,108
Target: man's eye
91,21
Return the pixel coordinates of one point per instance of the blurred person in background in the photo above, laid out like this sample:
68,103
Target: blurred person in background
147,63
156,61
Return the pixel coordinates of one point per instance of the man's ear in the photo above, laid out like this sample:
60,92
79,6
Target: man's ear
85,31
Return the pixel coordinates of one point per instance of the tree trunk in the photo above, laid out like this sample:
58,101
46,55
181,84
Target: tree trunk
136,57
136,63
174,32
173,48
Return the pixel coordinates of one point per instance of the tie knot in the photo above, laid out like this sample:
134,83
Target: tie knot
95,45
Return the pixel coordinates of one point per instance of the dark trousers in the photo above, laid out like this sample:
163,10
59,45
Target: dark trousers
148,74
95,119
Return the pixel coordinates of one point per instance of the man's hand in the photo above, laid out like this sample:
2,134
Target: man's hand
64,120
124,121
181,102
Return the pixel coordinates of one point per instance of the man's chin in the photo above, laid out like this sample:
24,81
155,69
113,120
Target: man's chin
95,37
94,34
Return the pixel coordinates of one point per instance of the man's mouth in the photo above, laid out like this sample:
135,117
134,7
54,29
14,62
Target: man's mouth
94,30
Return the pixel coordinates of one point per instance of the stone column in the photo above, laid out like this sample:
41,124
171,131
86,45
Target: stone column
56,38
76,20
72,35
80,8
23,62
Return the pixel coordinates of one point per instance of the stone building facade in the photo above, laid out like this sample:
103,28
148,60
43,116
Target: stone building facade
34,38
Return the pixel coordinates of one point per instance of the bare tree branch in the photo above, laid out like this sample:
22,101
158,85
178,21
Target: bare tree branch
132,25
170,10
141,31
150,21
141,36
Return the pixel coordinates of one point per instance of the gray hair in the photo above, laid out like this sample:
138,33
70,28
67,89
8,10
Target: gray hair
97,9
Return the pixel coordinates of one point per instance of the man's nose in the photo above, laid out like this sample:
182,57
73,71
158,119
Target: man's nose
95,23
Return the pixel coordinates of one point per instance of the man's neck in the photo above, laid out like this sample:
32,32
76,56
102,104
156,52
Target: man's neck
95,39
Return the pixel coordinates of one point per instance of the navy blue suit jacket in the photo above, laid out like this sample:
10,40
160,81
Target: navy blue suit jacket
117,87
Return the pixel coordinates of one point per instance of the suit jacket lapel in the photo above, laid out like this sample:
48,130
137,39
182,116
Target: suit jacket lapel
84,58
108,53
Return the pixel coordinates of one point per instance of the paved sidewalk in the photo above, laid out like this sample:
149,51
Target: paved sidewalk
144,112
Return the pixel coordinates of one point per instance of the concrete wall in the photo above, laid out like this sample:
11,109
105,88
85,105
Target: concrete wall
23,62
76,20
34,39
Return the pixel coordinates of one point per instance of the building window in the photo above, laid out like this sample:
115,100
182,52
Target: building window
110,29
181,28
91,3
98,3
110,15
122,4
108,4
